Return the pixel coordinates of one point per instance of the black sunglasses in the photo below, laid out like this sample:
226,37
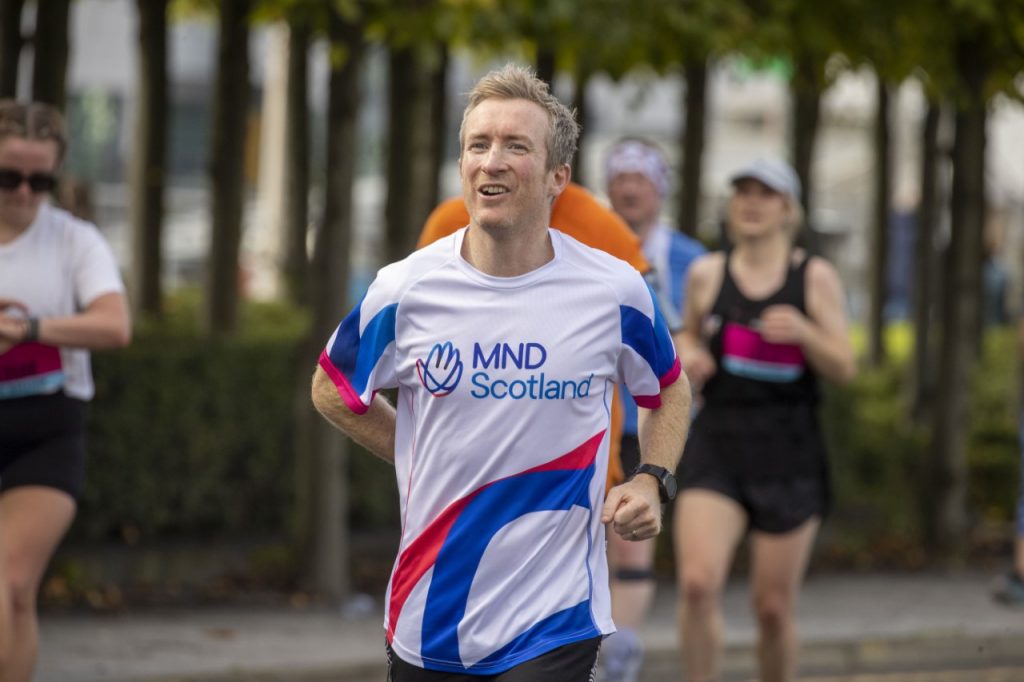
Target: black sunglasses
11,179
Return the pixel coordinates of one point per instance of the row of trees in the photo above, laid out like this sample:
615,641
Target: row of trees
964,53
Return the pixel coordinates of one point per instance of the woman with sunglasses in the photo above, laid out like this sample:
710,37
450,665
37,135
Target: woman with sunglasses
764,321
60,296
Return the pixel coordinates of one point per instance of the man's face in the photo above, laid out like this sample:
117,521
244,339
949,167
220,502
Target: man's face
19,205
636,199
505,183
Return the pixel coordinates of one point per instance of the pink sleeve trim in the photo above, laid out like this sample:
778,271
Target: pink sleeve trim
653,402
670,376
345,390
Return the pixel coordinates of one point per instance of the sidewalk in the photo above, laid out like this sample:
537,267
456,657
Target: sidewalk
848,623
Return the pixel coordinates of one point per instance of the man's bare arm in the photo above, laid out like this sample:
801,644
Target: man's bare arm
662,432
634,508
374,430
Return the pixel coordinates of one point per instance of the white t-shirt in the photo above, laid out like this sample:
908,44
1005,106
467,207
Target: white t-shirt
501,445
57,267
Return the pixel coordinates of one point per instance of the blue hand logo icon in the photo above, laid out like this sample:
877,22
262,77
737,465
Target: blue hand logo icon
441,371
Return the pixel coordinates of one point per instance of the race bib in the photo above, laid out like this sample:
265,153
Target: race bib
30,369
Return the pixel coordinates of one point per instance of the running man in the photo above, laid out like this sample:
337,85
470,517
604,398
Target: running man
505,341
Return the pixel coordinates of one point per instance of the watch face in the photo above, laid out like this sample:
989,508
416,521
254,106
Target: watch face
669,483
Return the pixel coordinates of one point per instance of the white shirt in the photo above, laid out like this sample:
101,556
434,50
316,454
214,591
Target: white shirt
501,445
57,267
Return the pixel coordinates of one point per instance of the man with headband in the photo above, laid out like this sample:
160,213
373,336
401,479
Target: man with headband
637,182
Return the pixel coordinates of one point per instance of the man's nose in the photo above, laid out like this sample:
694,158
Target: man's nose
494,159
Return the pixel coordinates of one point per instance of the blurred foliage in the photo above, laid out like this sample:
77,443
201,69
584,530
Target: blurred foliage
193,439
190,436
878,458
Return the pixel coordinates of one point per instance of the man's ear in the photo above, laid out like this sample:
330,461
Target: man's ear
560,178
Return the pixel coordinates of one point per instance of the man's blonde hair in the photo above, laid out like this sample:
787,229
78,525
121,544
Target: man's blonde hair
33,121
513,81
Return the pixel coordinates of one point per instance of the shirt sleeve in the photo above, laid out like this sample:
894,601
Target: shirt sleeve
647,361
94,268
360,355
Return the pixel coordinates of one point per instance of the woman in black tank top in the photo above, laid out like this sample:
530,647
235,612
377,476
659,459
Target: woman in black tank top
762,323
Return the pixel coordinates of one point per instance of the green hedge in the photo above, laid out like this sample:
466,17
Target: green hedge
193,439
879,459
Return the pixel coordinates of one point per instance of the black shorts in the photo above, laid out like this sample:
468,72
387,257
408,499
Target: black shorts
629,453
772,505
777,471
42,442
575,662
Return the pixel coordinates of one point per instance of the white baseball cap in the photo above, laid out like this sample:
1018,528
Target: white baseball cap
774,173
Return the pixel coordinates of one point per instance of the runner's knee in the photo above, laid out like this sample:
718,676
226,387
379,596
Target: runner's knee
699,589
774,612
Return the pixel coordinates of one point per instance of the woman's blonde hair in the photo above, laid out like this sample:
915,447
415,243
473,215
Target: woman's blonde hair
33,121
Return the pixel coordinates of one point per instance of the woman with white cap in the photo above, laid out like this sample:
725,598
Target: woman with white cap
763,321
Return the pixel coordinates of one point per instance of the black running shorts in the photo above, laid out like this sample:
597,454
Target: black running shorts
42,442
773,506
629,454
779,476
574,662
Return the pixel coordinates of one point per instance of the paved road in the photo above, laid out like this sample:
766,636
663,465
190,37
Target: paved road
855,628
1013,673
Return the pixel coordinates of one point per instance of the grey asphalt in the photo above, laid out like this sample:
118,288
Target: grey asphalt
849,623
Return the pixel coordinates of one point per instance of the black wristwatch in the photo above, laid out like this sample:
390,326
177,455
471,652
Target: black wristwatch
666,481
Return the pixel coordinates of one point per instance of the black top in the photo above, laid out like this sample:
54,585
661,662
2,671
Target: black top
751,371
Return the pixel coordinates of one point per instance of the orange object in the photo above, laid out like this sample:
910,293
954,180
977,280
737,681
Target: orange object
576,212
581,216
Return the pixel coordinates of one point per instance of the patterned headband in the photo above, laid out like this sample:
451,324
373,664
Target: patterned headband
637,157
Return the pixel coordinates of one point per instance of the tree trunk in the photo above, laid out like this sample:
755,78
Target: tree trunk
149,166
806,94
10,46
227,151
438,94
296,163
50,50
922,383
879,264
579,102
324,497
409,152
695,103
946,497
546,66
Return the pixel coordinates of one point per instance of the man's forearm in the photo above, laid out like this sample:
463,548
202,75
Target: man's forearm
662,431
374,429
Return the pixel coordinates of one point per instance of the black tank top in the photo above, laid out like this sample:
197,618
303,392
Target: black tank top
751,371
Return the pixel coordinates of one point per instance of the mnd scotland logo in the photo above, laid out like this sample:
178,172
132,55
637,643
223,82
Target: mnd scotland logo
441,371
501,371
